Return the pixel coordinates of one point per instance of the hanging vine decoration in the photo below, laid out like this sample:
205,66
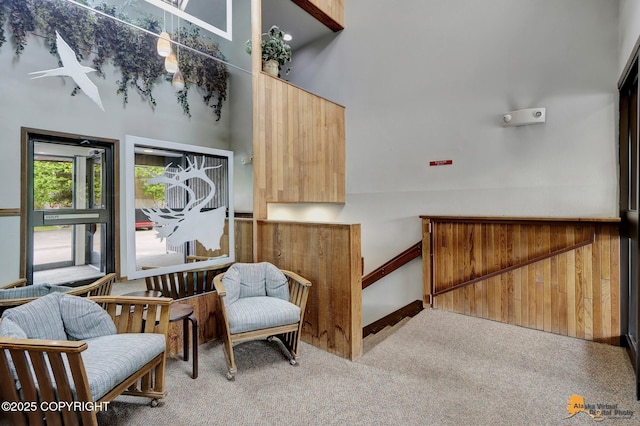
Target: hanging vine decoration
208,75
130,51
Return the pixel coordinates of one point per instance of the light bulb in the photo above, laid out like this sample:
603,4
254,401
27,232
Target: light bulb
171,63
164,44
178,81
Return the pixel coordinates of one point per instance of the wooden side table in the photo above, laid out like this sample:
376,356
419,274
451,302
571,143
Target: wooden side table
184,312
180,312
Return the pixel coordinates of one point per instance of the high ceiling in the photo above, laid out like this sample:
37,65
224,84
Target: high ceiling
291,19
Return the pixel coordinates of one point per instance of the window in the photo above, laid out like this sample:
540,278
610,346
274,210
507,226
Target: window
178,203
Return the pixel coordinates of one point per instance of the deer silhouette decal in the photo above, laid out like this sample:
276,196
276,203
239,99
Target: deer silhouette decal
190,223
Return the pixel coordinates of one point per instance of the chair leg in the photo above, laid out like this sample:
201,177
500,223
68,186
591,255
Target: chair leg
289,340
194,344
231,362
185,339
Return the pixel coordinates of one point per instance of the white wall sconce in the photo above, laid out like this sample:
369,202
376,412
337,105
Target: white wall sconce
523,117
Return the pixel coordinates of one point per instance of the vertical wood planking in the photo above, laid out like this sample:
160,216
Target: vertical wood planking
205,307
299,146
333,317
575,293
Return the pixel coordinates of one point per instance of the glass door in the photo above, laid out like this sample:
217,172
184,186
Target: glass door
629,227
70,211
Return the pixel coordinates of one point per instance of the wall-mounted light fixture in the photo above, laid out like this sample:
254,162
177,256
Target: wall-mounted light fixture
522,117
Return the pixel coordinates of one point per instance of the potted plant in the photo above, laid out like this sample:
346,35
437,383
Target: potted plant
275,51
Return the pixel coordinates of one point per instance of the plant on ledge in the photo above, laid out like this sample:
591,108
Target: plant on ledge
275,49
129,50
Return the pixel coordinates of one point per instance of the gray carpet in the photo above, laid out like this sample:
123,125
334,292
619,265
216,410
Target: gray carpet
439,368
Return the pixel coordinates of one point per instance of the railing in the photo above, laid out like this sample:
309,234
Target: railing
380,272
400,260
510,268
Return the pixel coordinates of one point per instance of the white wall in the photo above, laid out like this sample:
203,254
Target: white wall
46,104
427,80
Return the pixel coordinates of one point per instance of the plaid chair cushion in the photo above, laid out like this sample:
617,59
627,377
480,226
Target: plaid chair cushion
109,360
40,318
254,313
254,280
35,290
84,319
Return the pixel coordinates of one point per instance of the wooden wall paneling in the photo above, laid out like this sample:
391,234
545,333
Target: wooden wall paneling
244,240
329,256
574,293
299,150
329,12
205,307
243,234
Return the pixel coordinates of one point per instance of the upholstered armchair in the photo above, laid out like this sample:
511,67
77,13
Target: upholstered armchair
258,300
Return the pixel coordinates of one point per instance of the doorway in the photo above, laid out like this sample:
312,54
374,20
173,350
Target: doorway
629,227
68,208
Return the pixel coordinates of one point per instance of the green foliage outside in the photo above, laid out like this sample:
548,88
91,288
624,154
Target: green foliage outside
152,190
52,184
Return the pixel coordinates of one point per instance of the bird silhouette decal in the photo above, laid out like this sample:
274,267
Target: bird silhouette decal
72,68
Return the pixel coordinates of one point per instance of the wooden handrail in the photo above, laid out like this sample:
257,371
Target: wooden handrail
402,259
511,267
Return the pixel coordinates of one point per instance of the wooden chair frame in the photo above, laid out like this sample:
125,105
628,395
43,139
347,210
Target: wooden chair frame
14,284
179,285
289,335
100,287
149,381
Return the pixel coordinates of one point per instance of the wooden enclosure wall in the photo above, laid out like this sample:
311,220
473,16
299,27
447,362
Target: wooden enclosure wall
299,146
575,293
204,309
243,234
329,12
329,256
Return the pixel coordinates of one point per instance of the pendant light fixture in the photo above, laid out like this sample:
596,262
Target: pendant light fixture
171,63
164,41
178,81
164,44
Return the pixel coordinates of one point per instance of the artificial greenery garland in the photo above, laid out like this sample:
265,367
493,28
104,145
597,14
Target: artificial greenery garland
131,51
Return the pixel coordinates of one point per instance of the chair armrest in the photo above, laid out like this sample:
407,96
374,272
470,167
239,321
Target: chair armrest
40,345
10,303
18,283
100,287
217,284
298,288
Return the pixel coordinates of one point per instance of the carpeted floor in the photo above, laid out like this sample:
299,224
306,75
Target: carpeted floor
440,368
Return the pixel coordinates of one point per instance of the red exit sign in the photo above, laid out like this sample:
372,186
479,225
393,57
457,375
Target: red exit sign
441,163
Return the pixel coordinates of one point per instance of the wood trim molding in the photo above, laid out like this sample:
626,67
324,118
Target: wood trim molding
515,220
330,13
10,212
410,310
